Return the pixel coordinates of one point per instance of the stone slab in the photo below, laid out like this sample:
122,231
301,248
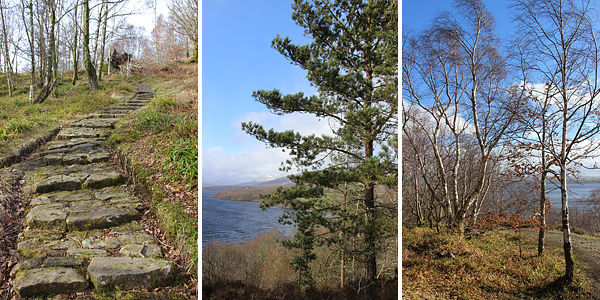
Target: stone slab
101,218
48,281
95,123
141,250
105,115
63,262
46,217
87,252
109,242
100,180
82,132
110,273
58,183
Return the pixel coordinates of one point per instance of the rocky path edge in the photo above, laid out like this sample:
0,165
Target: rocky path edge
80,231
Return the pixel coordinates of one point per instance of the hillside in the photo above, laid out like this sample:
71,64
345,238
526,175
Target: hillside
281,181
245,194
450,266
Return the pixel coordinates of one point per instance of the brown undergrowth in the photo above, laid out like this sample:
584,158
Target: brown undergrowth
450,266
158,144
259,268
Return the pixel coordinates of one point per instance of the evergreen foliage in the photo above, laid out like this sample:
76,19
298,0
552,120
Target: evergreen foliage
353,61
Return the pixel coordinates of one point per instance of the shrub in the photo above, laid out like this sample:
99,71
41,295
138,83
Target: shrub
183,157
152,119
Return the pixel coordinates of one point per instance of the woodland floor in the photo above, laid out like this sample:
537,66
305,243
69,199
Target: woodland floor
74,224
585,248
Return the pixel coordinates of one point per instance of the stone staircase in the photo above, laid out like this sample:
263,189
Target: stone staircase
79,233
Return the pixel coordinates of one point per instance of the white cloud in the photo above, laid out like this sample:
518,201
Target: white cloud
221,168
305,124
256,160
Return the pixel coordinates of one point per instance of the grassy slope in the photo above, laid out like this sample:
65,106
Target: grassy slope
21,121
160,143
485,267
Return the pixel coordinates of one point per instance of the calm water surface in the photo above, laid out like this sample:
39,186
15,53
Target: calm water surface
577,192
237,220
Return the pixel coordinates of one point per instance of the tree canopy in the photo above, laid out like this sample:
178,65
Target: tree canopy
353,62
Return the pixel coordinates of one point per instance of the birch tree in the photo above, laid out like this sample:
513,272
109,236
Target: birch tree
184,13
457,76
560,36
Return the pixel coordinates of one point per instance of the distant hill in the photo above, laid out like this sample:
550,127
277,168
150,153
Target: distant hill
248,194
281,181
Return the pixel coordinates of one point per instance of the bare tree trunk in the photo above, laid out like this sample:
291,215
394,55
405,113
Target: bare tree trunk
569,262
75,45
97,35
89,66
103,45
32,54
541,237
6,54
54,58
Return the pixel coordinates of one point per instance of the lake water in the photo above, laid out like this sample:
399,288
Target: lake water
577,193
237,220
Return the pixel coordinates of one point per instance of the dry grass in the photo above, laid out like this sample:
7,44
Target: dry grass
21,121
484,267
160,143
259,268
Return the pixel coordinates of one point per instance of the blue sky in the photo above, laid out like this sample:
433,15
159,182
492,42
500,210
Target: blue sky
419,14
237,59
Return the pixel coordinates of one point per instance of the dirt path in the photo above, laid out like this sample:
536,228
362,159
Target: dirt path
586,251
80,232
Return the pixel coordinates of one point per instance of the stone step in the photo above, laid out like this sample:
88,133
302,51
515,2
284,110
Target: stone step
101,218
96,123
135,103
77,158
73,177
71,145
85,215
122,273
53,280
83,210
43,247
144,97
117,110
82,132
108,115
127,107
138,101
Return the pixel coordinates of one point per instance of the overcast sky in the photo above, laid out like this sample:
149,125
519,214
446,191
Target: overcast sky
145,17
237,59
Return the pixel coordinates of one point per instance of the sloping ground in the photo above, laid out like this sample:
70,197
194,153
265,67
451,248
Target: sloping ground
585,248
447,265
81,233
158,145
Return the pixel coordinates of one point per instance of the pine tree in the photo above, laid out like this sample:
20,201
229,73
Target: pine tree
353,61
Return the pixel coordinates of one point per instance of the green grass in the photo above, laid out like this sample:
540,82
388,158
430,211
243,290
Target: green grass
161,145
484,267
183,156
21,120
